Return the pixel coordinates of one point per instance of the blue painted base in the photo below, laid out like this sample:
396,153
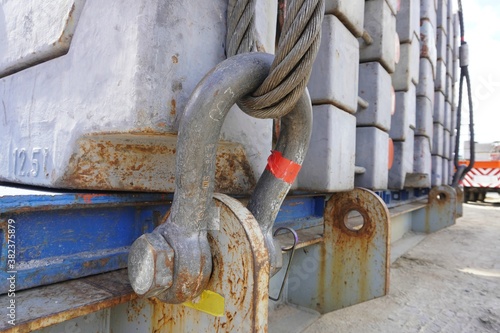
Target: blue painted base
61,236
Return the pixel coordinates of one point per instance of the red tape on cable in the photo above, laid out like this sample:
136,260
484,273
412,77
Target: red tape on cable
282,168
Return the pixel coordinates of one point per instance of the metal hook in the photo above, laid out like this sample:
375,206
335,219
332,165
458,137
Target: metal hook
289,248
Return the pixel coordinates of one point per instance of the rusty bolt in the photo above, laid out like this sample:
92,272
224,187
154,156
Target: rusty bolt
150,265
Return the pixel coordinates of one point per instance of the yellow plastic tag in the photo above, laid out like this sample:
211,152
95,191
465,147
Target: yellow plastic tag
208,302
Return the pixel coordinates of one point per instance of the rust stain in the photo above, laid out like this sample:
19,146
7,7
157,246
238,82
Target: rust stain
351,256
64,37
233,173
346,257
440,213
134,309
96,263
240,274
4,228
173,107
169,317
121,158
146,162
88,198
424,49
323,271
442,200
175,58
60,317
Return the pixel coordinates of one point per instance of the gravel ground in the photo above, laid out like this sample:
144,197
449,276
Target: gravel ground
450,282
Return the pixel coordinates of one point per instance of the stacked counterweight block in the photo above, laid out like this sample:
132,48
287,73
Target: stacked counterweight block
435,118
329,165
405,80
378,60
444,117
393,91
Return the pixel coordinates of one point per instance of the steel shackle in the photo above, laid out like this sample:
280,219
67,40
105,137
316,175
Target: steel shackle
174,262
282,169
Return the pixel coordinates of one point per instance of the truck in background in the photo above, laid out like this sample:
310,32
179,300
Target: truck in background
484,177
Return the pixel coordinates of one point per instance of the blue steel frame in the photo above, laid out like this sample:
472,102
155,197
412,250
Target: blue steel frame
62,236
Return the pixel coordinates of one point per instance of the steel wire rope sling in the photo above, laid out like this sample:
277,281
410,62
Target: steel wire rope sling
462,170
297,48
299,36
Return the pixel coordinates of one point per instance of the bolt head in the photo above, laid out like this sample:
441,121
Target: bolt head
150,265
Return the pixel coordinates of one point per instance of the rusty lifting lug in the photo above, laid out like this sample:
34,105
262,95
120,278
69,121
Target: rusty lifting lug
174,262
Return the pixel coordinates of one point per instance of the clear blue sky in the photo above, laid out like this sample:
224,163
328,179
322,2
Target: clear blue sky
482,33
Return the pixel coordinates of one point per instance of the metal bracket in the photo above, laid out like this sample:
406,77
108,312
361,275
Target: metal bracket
240,274
352,264
440,212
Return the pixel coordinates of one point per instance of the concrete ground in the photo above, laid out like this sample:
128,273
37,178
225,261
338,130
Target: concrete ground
450,282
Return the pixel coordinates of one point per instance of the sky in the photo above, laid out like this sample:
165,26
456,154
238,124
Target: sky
482,34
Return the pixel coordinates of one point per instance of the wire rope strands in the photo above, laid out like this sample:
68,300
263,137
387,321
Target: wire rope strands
297,48
461,171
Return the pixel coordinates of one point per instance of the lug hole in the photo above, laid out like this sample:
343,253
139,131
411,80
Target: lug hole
441,196
354,220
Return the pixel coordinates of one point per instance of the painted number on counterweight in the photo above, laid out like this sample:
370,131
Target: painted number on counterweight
30,163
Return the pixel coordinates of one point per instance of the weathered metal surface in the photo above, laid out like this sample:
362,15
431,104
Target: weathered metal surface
270,191
61,302
15,200
301,212
372,153
146,162
240,274
417,180
329,163
185,228
380,23
351,13
307,237
428,43
403,161
69,235
440,211
64,236
130,71
150,265
35,32
41,307
339,54
352,263
375,86
460,201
